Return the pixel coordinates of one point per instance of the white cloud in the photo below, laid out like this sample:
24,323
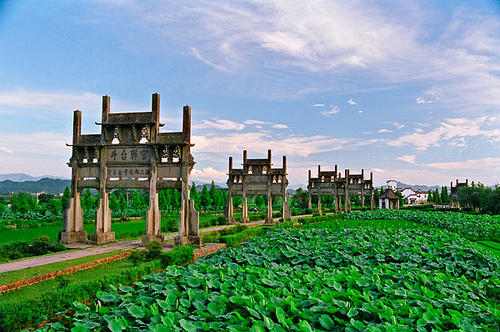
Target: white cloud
331,111
384,131
292,145
318,105
43,143
196,53
398,125
208,174
407,158
337,36
488,164
421,100
454,128
38,104
256,122
220,124
410,176
360,111
49,101
5,150
352,101
259,124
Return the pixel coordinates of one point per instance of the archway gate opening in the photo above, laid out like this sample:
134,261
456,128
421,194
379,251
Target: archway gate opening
132,153
257,177
331,183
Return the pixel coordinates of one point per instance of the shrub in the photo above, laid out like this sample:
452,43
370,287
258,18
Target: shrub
40,245
136,256
14,255
221,220
235,239
62,281
57,246
153,250
177,256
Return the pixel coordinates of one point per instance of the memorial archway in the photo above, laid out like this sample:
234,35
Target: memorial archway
131,152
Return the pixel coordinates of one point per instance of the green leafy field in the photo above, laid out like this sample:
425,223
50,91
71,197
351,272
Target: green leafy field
472,227
313,279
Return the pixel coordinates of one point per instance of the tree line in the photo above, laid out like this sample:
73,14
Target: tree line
480,198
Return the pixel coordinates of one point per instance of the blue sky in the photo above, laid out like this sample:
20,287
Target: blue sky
407,89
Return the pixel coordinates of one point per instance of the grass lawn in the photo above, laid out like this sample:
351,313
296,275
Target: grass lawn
123,230
12,276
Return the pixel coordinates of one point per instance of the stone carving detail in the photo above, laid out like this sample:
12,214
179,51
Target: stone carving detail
117,158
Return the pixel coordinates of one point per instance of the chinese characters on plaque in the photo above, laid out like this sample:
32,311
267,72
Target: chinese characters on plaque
128,172
133,154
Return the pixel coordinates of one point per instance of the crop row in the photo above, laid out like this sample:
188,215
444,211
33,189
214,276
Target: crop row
314,279
472,227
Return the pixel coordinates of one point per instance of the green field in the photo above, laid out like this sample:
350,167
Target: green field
314,279
123,230
385,274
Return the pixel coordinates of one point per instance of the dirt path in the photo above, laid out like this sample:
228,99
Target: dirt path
89,250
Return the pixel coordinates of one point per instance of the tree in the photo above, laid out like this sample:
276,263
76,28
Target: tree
165,199
114,204
122,203
237,201
3,208
260,201
445,197
436,198
65,197
138,201
45,198
23,203
301,198
205,199
176,199
195,196
54,206
87,200
215,196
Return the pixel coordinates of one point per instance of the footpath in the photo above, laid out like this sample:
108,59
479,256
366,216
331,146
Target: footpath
89,250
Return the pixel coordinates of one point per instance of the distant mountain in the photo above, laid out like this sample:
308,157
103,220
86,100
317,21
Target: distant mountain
21,177
52,186
415,187
218,185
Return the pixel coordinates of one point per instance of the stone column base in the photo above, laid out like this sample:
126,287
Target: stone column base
196,241
151,237
104,237
245,220
72,237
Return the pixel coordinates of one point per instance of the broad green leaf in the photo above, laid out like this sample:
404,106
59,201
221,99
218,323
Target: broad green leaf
430,317
136,311
326,322
116,325
280,315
